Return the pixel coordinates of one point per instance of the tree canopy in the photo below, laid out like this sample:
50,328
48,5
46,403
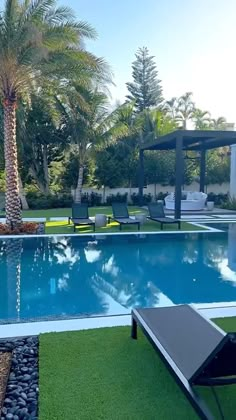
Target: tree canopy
145,89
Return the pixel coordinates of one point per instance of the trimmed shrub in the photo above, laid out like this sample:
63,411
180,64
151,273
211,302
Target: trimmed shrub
218,199
230,204
161,195
93,199
116,198
147,198
40,201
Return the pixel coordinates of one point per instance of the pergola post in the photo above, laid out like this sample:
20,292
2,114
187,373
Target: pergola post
202,170
179,168
141,176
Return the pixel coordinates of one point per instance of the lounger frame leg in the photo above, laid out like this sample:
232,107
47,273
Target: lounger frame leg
194,398
120,226
138,226
134,334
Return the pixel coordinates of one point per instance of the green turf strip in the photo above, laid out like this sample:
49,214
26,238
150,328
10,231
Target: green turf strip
103,374
62,227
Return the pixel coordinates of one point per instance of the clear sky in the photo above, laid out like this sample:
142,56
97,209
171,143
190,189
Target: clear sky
194,42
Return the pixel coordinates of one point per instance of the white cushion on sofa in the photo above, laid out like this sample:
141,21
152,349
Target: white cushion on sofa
190,195
196,196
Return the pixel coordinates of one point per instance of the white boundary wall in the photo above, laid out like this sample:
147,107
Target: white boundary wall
215,188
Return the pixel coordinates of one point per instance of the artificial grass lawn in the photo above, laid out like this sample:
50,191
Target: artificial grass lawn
103,374
67,212
149,226
63,227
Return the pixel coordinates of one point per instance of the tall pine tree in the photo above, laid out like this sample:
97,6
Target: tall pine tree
145,89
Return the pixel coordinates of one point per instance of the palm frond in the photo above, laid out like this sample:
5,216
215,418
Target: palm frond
10,13
37,9
59,15
85,30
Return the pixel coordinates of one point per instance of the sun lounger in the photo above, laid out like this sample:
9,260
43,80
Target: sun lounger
80,216
121,215
157,214
194,349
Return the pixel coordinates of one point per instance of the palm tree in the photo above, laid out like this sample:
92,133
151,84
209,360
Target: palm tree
38,43
201,119
171,107
185,109
90,126
218,123
156,123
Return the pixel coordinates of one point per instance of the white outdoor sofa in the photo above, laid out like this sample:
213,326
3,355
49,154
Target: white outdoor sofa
193,201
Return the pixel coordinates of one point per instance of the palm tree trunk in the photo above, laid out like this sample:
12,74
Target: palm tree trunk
78,191
23,198
45,168
13,205
104,194
33,171
13,253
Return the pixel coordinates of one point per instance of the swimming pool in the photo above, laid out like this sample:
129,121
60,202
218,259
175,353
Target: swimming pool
66,277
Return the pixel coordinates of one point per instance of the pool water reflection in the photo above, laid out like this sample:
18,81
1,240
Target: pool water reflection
50,277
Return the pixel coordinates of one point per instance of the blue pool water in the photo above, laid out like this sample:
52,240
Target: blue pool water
51,277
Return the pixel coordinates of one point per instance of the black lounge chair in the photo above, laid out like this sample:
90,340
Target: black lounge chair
121,215
80,216
157,214
194,349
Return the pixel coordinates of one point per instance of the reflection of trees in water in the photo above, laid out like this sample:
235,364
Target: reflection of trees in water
69,275
123,275
13,259
133,272
214,250
59,279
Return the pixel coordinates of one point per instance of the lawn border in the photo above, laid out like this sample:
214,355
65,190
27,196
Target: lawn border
202,229
8,331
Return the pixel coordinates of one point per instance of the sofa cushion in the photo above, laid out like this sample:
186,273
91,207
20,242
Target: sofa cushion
190,195
197,196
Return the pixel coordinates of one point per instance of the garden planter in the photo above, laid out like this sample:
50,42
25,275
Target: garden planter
26,228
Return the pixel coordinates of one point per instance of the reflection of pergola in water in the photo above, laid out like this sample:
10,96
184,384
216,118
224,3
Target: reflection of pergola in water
184,140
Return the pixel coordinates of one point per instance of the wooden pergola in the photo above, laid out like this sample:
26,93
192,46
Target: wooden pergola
180,141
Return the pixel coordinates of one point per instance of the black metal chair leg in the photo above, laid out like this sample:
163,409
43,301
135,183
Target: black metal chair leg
120,226
134,329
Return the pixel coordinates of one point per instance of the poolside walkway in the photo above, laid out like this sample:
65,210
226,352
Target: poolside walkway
220,310
215,212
